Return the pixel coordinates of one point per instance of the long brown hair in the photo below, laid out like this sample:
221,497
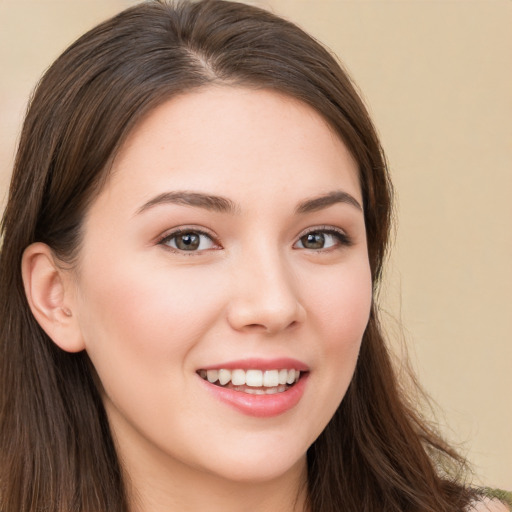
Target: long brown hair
56,450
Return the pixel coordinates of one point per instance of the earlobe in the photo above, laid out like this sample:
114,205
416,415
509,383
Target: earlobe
50,297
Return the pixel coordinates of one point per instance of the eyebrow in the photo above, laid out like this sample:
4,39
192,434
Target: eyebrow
224,205
206,201
326,200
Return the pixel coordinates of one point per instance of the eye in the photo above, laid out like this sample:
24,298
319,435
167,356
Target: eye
322,239
189,241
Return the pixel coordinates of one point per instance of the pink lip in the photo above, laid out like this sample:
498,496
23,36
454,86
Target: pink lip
260,406
261,364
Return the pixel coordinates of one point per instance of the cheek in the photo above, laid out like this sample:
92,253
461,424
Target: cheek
141,316
341,306
341,311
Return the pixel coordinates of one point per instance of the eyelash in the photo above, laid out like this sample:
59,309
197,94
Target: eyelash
342,238
187,231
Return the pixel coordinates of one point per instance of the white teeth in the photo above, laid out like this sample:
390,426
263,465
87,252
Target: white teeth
254,378
224,377
274,380
238,377
255,391
212,375
271,378
259,391
291,377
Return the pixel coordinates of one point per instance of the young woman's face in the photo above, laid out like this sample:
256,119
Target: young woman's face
228,243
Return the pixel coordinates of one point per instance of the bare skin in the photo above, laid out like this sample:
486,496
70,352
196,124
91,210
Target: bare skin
490,505
231,229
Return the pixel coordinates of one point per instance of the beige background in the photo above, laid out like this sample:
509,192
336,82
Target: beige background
437,77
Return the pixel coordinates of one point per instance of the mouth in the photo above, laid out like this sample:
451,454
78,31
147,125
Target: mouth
253,381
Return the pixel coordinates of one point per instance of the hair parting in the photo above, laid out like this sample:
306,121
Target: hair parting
56,450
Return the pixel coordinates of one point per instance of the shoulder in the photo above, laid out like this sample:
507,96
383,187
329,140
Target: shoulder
492,500
489,505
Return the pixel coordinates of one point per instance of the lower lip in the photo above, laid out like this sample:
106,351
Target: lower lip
260,406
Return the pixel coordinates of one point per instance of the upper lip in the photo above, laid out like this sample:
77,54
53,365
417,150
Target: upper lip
260,364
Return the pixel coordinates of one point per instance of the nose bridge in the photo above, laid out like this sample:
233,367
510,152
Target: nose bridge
265,292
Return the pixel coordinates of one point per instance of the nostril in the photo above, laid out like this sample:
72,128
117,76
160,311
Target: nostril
268,309
272,327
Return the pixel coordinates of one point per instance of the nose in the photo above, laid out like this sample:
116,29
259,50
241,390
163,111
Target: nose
264,295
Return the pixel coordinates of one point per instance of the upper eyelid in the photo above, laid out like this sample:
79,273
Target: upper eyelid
168,234
323,228
344,238
187,229
173,233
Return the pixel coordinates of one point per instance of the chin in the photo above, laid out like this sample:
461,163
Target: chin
255,470
253,457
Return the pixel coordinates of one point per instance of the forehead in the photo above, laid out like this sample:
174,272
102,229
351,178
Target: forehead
241,140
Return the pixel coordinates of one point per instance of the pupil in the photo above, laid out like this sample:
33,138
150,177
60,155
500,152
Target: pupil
188,242
313,241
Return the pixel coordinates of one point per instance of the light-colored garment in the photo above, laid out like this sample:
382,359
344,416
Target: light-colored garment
498,494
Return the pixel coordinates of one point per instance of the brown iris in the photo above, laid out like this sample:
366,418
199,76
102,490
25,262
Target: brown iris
188,241
315,240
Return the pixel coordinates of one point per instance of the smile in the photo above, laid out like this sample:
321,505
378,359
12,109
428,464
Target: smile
257,387
252,381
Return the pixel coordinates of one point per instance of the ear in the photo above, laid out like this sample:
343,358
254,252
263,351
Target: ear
51,296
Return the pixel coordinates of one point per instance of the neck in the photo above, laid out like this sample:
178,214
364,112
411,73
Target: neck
156,482
176,488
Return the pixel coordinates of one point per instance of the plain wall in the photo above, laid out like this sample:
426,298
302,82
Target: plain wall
437,78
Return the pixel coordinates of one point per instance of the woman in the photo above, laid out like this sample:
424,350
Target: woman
200,208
